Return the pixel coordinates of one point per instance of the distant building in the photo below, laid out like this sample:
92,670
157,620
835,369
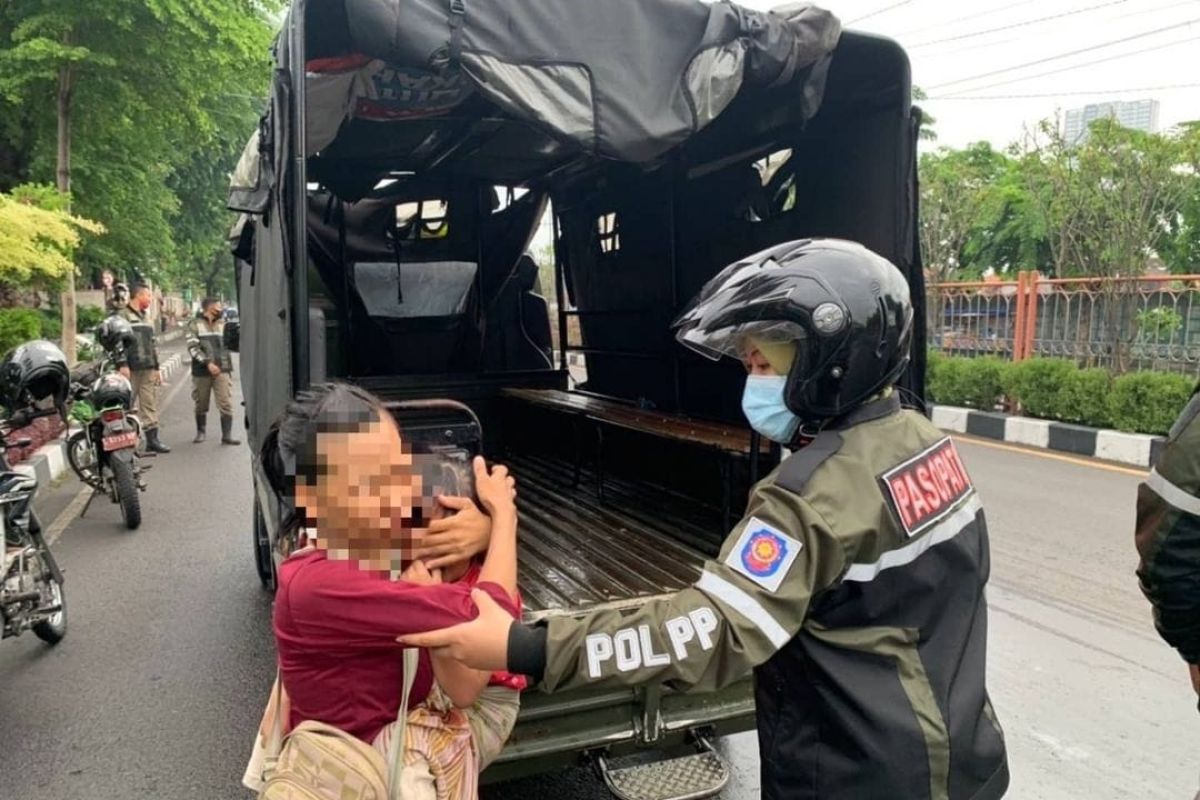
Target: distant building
1140,115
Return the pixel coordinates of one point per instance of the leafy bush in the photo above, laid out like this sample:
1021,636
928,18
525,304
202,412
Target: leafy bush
88,318
1038,385
17,326
1084,398
1140,402
1148,402
51,324
974,382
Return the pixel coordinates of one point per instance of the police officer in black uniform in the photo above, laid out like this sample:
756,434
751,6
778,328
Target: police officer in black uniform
854,586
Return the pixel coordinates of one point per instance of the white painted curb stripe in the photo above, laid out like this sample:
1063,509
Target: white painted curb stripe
1023,430
1173,494
1129,448
745,605
944,531
949,418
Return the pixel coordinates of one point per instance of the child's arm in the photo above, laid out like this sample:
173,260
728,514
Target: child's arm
498,493
460,683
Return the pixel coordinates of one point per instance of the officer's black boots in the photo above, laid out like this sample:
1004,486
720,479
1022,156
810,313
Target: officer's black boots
153,444
201,424
227,431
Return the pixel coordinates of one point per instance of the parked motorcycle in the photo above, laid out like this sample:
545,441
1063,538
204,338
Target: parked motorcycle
33,384
106,453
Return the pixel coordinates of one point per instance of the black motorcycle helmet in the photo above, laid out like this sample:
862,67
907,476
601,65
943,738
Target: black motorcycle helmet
115,334
847,308
34,375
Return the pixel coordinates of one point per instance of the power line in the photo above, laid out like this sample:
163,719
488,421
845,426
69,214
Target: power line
879,11
965,17
1068,54
1074,93
1022,24
1069,68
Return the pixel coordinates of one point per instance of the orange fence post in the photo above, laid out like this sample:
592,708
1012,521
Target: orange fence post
1018,348
1031,312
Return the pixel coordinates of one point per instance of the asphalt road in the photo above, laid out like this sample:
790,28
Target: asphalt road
158,687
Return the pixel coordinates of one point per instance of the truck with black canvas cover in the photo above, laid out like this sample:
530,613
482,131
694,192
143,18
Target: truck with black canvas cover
414,153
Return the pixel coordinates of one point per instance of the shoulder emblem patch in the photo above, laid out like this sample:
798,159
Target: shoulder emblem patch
764,554
927,487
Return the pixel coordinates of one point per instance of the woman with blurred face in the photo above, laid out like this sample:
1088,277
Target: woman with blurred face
345,597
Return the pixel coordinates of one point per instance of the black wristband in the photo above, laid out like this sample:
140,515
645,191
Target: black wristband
527,650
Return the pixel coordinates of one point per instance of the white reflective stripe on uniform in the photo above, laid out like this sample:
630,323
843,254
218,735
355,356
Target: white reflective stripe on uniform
1173,494
721,589
944,531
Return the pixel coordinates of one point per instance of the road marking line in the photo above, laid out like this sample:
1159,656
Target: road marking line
1083,462
67,515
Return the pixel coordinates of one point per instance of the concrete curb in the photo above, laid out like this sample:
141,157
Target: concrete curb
1138,449
49,463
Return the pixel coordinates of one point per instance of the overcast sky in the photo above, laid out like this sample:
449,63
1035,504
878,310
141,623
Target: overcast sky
1160,60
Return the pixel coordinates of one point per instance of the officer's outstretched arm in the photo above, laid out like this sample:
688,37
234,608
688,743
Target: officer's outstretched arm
746,606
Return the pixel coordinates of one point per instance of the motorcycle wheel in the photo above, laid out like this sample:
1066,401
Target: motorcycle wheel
82,458
127,492
263,563
53,629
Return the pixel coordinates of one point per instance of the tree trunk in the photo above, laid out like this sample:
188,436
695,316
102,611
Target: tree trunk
63,174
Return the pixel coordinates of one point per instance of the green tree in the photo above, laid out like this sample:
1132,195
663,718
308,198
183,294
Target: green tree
127,93
926,133
37,237
1180,249
957,188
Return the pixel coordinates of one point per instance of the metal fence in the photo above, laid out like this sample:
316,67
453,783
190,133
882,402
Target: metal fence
1123,324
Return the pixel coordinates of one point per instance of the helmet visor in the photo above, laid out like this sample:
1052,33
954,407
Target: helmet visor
721,320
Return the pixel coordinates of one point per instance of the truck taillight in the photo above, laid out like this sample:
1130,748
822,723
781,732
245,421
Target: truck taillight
112,415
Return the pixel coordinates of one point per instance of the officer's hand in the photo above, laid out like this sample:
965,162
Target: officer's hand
1195,670
481,643
462,535
124,371
213,369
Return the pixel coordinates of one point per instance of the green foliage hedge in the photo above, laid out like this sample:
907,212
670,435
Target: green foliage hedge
88,318
1048,388
17,326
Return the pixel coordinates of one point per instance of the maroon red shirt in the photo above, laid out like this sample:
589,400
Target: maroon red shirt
335,630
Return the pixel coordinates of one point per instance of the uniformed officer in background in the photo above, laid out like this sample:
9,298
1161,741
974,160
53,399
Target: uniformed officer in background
139,363
1168,538
853,587
212,369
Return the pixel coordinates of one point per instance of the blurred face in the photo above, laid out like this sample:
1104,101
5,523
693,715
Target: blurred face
141,300
365,497
214,311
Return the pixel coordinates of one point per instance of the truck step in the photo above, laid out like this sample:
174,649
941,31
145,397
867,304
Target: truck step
688,777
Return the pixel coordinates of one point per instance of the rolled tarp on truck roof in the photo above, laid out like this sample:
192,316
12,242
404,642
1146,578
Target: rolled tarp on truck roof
625,81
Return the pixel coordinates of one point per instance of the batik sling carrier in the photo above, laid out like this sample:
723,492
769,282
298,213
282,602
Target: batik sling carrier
319,762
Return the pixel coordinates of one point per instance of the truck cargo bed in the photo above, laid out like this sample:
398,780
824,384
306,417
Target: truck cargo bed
578,552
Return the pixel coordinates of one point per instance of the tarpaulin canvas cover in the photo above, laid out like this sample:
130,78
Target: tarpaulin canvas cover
618,79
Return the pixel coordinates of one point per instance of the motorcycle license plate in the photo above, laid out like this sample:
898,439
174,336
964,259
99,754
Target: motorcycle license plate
119,441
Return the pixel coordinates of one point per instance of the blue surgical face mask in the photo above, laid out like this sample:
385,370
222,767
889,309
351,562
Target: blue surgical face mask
763,404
